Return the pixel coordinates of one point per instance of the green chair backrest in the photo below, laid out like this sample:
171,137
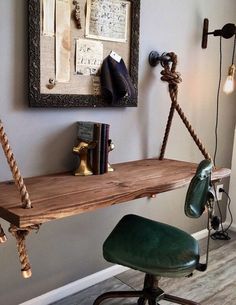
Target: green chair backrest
197,194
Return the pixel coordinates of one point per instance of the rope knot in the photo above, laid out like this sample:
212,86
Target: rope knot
22,232
169,73
173,78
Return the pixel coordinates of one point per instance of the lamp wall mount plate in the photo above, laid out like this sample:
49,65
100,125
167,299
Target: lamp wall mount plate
155,58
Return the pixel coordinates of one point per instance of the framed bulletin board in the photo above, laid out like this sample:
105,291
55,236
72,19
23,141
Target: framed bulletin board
68,42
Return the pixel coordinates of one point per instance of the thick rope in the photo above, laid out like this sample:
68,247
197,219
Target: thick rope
173,78
26,203
167,131
20,235
3,237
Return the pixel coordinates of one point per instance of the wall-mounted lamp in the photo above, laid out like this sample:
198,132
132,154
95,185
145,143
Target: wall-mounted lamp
228,31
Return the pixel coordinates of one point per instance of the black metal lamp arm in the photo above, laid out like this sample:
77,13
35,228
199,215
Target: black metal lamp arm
228,31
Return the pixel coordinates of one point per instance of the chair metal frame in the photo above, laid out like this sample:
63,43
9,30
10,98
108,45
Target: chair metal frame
151,293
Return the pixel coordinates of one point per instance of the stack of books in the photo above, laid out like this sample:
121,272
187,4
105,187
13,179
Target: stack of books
99,134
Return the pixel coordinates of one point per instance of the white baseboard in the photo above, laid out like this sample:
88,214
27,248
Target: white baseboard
232,227
81,284
74,287
200,234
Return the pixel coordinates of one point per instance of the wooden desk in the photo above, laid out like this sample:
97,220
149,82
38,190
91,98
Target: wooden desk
61,195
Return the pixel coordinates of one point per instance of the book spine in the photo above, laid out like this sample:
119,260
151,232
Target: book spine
104,148
97,150
102,159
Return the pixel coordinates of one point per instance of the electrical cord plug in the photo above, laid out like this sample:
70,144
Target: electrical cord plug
223,233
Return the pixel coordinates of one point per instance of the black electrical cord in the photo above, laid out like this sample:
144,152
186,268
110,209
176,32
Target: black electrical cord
222,233
218,103
234,49
229,209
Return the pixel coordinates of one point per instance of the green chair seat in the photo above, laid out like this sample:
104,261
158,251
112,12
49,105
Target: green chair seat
158,249
152,247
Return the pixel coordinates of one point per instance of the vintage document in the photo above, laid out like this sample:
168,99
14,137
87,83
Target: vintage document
96,85
49,17
89,56
63,40
107,19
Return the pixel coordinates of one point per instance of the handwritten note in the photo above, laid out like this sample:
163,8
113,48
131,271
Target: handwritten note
48,17
63,40
89,56
107,20
96,85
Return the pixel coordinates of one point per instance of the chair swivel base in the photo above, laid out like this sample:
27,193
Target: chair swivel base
151,293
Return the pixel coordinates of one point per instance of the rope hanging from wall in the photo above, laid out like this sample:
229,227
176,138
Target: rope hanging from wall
19,233
173,78
25,199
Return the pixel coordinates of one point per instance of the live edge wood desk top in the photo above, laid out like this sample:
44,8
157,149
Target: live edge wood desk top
61,195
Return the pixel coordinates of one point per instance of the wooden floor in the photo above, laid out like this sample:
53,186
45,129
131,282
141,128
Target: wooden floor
216,286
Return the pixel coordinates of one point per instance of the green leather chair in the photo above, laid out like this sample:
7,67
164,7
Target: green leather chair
158,249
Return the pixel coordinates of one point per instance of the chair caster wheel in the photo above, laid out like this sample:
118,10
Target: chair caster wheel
142,301
153,302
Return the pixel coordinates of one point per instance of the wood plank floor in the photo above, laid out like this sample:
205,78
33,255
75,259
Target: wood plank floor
216,286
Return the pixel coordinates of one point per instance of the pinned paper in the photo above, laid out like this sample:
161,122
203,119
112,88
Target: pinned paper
97,85
107,20
115,56
89,56
63,40
49,18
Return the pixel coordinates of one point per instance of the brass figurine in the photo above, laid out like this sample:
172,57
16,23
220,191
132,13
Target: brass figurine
111,147
82,149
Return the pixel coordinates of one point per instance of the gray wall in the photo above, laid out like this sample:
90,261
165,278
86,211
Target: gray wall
69,249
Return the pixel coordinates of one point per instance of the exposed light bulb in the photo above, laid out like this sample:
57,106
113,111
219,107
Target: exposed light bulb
229,83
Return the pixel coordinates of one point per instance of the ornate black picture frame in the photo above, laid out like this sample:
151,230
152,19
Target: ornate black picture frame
39,99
